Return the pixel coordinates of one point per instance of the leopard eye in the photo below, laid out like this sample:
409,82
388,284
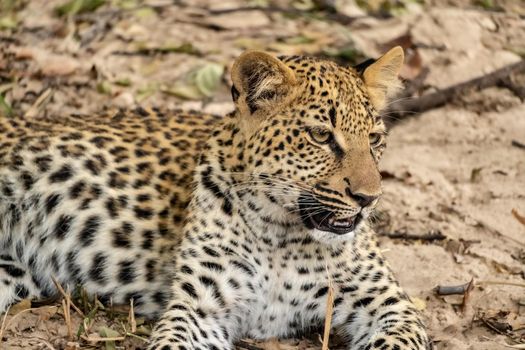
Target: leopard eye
320,136
375,139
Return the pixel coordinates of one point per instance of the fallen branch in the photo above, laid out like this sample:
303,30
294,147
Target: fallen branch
431,236
511,85
452,290
498,327
402,109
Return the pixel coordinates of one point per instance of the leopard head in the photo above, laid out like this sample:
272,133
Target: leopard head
313,136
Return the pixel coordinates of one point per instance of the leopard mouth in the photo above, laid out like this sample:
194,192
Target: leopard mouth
324,219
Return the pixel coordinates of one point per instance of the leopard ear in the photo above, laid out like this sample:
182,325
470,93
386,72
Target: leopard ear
260,80
381,77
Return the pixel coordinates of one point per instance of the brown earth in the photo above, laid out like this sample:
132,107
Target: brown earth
453,170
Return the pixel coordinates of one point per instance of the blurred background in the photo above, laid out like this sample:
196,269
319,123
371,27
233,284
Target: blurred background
453,211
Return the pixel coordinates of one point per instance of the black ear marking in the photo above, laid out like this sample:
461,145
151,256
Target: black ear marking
360,68
235,94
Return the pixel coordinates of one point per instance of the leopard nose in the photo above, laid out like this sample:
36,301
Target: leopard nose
362,199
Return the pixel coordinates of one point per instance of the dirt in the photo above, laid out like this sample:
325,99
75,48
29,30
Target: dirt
453,170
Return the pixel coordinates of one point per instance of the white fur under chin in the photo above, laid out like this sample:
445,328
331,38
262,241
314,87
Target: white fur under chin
331,238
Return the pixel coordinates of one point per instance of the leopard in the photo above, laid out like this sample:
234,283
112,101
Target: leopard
249,225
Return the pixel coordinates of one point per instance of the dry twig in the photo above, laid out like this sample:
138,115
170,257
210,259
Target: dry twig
3,326
466,295
328,316
502,283
131,317
66,296
518,217
95,339
67,317
40,102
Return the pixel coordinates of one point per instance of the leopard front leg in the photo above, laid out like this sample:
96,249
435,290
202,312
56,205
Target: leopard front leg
377,314
184,327
383,322
205,307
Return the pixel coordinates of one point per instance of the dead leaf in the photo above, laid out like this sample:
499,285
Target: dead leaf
413,61
23,53
475,175
419,303
56,65
45,312
20,306
72,346
271,344
240,20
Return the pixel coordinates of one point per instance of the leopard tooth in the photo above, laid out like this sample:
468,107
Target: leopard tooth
340,223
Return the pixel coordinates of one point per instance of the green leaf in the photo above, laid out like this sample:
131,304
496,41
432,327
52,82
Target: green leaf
106,332
208,78
144,12
183,90
90,316
74,7
104,87
5,108
304,5
143,330
127,4
199,83
147,91
348,54
298,40
8,22
123,82
486,4
184,48
187,48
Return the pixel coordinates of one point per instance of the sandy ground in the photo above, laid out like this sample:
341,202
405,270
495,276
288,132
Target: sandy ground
452,170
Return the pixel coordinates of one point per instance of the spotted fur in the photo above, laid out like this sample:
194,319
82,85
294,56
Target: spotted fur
96,201
277,219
